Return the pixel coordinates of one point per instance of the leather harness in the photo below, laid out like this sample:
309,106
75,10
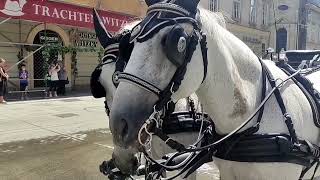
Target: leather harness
245,146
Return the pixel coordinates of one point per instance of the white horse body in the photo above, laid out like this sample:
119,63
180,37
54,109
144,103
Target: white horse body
315,78
230,93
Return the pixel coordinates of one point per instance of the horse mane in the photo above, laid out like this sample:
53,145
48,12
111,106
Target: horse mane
209,20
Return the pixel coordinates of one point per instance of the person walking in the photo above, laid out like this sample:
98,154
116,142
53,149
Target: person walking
3,81
63,80
54,79
24,76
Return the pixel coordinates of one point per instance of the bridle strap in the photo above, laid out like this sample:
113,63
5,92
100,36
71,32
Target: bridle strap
139,82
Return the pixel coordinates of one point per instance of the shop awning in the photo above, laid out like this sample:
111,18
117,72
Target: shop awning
60,13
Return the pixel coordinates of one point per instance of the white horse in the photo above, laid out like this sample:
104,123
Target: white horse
108,68
230,93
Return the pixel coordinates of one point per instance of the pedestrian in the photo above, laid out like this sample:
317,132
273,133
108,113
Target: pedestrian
54,79
24,76
63,80
3,81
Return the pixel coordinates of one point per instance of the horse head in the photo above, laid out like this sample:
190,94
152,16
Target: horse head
166,42
117,52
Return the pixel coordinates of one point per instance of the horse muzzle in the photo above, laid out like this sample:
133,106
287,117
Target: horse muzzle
125,160
131,107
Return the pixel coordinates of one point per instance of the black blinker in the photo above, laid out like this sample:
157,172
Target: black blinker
96,88
175,45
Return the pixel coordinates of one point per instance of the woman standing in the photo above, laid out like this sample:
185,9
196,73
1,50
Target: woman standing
53,73
3,81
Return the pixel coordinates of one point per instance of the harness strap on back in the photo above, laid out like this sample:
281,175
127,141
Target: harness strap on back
204,50
283,108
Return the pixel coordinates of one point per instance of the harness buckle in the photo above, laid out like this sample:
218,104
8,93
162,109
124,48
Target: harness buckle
171,89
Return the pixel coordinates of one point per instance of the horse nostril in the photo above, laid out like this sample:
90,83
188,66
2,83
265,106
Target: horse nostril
125,129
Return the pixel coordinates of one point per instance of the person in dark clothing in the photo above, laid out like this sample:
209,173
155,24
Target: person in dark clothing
3,81
63,80
24,76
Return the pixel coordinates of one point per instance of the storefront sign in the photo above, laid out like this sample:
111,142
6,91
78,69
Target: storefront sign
86,39
49,38
60,13
251,40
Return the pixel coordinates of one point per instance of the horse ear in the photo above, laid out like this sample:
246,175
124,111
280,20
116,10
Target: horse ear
152,2
104,36
190,5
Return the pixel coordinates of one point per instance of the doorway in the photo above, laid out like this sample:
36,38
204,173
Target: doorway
39,69
282,37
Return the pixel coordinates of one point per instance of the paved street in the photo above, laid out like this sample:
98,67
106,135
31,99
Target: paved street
32,145
62,139
43,118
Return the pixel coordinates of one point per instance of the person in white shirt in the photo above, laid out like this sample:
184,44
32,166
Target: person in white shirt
54,79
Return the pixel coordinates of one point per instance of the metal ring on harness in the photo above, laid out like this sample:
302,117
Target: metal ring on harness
149,139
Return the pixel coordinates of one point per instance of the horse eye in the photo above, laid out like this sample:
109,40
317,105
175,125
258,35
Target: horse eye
164,40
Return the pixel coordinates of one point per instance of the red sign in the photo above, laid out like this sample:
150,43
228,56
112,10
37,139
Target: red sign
60,13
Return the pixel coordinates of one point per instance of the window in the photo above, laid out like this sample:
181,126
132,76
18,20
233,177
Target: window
263,47
213,5
236,10
253,12
265,13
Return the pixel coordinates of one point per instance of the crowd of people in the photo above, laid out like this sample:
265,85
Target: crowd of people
57,80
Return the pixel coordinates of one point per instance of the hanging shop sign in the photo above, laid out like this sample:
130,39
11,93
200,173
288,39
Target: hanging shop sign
60,13
49,38
86,39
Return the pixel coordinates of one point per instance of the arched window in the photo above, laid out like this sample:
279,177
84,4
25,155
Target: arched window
282,37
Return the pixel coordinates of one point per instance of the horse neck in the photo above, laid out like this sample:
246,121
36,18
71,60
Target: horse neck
232,89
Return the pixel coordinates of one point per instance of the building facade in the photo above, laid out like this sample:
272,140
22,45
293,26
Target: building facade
287,24
25,25
246,19
313,24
